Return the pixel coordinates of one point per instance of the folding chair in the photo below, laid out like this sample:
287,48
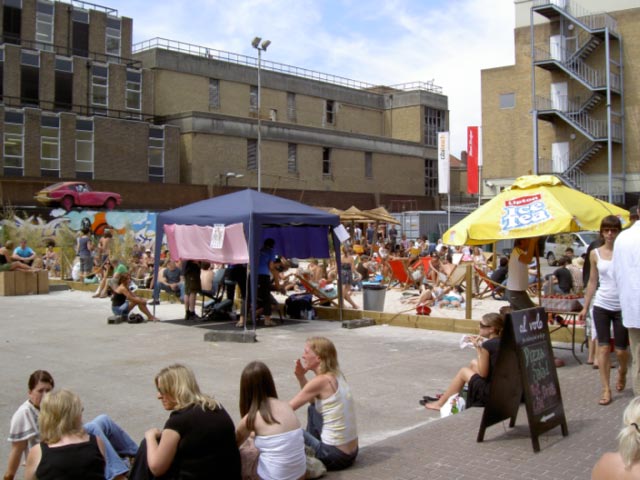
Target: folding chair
400,272
457,276
217,289
487,286
323,297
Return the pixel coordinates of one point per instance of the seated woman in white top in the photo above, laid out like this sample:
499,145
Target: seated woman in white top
331,421
279,437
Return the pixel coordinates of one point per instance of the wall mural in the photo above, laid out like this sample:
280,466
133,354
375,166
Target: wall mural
143,224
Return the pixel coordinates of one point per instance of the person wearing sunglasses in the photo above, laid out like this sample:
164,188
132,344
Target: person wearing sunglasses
479,372
607,311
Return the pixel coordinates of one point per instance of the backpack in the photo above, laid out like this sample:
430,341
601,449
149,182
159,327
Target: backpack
298,303
135,318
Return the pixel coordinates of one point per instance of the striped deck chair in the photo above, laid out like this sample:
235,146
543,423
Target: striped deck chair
322,297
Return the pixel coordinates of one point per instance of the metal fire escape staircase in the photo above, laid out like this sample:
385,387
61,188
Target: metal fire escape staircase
602,82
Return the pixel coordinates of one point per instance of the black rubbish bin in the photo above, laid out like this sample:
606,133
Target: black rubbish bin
373,296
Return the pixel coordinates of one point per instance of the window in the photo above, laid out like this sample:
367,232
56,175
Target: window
134,90
368,165
80,32
329,112
326,161
253,99
13,143
44,25
214,93
291,107
30,78
507,100
431,177
252,150
12,21
434,122
113,37
84,148
63,94
49,146
292,158
100,88
156,154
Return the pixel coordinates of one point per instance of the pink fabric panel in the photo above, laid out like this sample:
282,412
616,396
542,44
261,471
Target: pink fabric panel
191,242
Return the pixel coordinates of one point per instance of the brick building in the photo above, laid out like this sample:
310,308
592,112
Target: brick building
166,123
570,104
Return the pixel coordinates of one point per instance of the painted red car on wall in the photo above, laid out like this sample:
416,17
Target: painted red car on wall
77,194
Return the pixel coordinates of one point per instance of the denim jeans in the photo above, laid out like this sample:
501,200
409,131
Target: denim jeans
116,444
332,457
122,309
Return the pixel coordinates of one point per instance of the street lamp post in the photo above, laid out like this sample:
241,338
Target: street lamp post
261,47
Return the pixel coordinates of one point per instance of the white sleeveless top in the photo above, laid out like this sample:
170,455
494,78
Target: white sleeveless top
607,294
282,456
338,416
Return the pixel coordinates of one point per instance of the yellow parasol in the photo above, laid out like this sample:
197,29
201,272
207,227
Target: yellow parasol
533,206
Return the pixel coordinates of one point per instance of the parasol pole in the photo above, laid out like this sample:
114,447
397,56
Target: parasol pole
448,210
539,274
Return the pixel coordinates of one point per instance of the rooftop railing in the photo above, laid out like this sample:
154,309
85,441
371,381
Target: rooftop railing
91,6
237,58
594,21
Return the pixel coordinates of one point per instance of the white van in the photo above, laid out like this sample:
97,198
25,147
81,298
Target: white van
555,245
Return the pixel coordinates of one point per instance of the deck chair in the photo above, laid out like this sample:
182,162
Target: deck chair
400,273
457,276
322,297
487,286
424,261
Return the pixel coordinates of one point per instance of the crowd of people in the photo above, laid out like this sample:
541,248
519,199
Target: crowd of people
199,439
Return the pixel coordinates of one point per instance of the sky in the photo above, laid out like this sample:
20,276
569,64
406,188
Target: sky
384,42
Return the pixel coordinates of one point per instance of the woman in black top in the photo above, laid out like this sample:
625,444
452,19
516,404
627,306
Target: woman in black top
66,450
198,440
478,374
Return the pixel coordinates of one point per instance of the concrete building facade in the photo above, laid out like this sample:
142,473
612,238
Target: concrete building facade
570,104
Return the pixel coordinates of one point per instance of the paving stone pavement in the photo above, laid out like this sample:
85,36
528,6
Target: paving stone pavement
112,367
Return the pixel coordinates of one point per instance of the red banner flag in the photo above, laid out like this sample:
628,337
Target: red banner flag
472,159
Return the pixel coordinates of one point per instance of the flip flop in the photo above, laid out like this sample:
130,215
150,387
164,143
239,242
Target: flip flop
621,382
428,398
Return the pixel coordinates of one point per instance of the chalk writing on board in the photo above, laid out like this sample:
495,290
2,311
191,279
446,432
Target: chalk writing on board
541,383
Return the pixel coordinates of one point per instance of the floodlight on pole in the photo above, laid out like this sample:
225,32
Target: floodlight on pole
261,48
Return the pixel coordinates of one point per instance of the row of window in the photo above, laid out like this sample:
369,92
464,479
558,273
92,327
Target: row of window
214,102
13,152
63,84
292,159
44,26
434,120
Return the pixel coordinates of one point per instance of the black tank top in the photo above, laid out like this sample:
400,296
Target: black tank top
118,299
3,259
78,461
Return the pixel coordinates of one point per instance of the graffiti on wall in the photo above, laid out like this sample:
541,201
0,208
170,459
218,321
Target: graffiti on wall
142,224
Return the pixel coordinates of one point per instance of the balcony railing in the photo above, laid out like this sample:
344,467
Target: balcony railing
230,57
594,21
593,77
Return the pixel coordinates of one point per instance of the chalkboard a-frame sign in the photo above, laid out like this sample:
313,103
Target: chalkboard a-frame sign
525,362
